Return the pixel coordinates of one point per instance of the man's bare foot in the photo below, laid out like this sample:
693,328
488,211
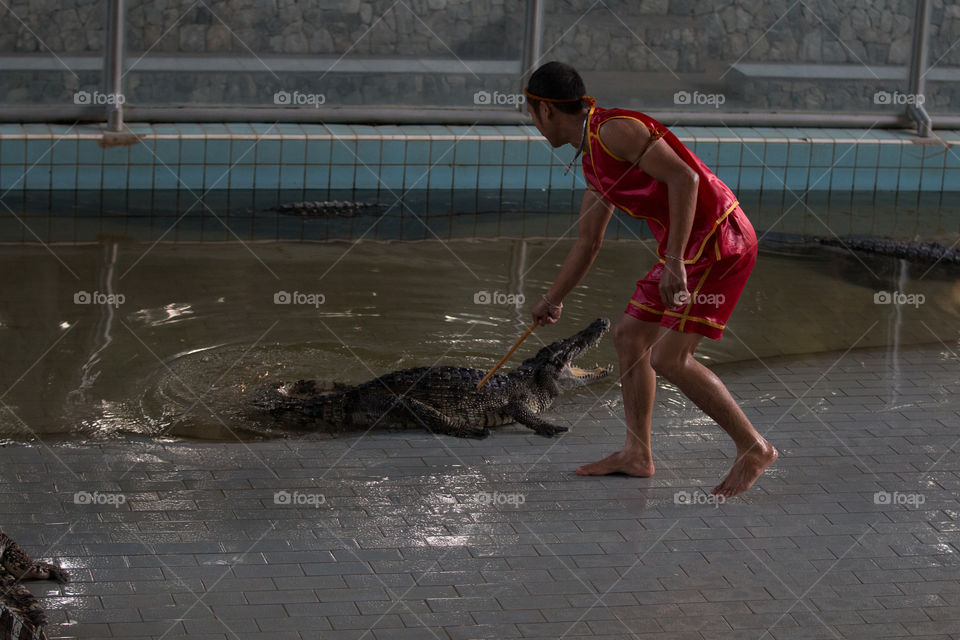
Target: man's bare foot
749,465
618,462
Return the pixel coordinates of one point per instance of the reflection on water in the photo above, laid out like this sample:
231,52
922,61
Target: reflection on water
167,314
199,326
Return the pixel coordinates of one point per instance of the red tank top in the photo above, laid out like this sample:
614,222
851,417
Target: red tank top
631,189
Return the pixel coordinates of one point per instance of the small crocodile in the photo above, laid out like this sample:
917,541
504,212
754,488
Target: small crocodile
16,565
327,208
445,399
920,252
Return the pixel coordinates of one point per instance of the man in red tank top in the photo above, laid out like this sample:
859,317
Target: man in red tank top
706,249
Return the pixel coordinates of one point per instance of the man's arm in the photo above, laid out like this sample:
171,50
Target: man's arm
629,139
595,213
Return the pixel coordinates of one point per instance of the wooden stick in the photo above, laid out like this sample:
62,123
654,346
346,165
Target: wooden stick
509,353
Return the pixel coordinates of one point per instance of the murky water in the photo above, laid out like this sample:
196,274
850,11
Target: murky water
170,339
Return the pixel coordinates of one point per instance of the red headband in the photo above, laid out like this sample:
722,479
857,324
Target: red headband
590,101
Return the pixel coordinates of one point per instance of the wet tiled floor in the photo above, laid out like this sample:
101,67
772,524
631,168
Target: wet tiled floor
853,534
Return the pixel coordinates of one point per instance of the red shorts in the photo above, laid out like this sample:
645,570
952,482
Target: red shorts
715,282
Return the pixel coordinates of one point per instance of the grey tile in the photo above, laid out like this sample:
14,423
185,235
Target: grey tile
417,552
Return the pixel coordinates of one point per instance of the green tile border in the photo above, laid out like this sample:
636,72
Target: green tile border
296,156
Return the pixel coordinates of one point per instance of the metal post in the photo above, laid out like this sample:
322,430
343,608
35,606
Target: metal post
532,41
113,65
918,69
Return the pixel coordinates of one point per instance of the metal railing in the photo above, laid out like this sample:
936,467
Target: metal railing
918,67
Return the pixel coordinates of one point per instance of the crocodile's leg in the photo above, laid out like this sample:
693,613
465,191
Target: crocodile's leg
529,419
47,571
435,421
16,562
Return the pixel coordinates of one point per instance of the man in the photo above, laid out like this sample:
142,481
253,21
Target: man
705,242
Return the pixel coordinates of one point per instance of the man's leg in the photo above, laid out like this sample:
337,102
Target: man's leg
633,339
672,357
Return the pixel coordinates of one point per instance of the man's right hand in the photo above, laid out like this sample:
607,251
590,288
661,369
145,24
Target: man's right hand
673,284
543,314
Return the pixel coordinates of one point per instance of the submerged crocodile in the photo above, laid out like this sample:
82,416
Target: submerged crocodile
18,604
327,208
921,252
445,399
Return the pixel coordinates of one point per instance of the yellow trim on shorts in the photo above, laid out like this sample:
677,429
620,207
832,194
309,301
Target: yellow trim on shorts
693,296
711,323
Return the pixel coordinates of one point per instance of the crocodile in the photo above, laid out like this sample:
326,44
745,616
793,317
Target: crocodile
327,208
445,399
919,252
19,606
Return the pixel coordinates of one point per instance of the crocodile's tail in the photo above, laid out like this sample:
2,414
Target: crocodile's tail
923,252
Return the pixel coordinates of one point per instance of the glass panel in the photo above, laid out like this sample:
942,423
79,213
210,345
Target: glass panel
943,71
52,58
741,56
329,53
663,55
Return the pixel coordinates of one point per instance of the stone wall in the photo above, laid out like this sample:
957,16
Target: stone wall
467,28
703,37
632,53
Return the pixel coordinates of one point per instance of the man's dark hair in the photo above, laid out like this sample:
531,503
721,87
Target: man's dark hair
559,81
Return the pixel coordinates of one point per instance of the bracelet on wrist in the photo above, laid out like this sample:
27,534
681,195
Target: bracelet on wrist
670,257
552,306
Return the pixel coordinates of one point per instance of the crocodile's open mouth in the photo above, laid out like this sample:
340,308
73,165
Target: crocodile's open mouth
588,339
558,359
597,371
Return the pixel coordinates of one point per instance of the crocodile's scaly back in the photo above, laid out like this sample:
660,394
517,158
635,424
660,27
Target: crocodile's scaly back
328,208
445,399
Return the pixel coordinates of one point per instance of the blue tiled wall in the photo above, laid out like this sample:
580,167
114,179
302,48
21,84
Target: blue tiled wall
399,158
